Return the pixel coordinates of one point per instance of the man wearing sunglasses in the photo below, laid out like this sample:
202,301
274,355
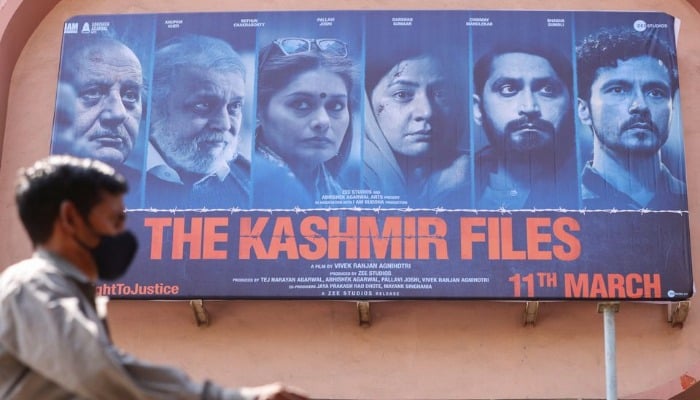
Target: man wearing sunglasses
198,95
523,102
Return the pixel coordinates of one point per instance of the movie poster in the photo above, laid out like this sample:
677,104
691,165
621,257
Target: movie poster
387,154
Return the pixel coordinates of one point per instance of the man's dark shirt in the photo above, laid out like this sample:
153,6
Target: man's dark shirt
230,189
597,193
560,191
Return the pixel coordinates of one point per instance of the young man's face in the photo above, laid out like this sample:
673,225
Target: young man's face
107,217
630,105
197,129
108,81
524,103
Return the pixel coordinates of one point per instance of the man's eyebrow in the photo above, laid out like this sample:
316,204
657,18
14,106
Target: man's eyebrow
504,79
93,82
545,80
104,82
657,83
198,94
549,78
130,82
617,82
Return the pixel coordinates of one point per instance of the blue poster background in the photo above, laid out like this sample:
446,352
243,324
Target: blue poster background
371,167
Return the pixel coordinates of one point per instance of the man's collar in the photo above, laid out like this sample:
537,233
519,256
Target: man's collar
63,265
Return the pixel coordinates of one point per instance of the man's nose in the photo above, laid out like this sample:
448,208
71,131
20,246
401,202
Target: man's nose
113,110
638,102
220,120
422,107
528,103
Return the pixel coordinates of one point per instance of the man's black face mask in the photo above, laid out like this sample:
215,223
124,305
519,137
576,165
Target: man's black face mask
113,255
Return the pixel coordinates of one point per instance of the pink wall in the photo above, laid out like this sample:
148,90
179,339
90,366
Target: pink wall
413,349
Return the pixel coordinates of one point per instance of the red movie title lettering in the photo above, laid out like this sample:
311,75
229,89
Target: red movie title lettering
200,238
498,234
420,238
612,286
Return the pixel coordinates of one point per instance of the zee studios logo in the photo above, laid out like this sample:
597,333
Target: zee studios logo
640,25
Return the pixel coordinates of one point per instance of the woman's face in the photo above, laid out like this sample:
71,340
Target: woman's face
411,104
305,122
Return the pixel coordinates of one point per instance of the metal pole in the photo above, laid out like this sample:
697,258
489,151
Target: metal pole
609,310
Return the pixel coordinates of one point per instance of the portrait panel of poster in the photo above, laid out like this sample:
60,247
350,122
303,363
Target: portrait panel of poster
308,132
387,154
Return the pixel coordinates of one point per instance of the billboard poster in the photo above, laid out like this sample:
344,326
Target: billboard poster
534,155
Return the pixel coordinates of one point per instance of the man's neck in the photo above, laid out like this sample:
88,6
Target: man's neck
525,170
190,178
80,258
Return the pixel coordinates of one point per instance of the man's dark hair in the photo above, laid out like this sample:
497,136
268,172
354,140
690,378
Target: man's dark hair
607,46
560,64
42,188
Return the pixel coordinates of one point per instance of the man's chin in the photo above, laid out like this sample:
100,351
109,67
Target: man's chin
643,142
531,147
642,149
530,138
109,155
204,165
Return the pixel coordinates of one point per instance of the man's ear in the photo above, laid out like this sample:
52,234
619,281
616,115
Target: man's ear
68,216
476,110
584,112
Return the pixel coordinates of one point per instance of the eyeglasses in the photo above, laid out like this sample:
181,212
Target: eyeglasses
328,47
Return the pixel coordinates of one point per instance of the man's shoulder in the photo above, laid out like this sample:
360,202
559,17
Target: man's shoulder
38,278
673,184
241,163
31,272
592,183
485,163
240,169
24,269
131,174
